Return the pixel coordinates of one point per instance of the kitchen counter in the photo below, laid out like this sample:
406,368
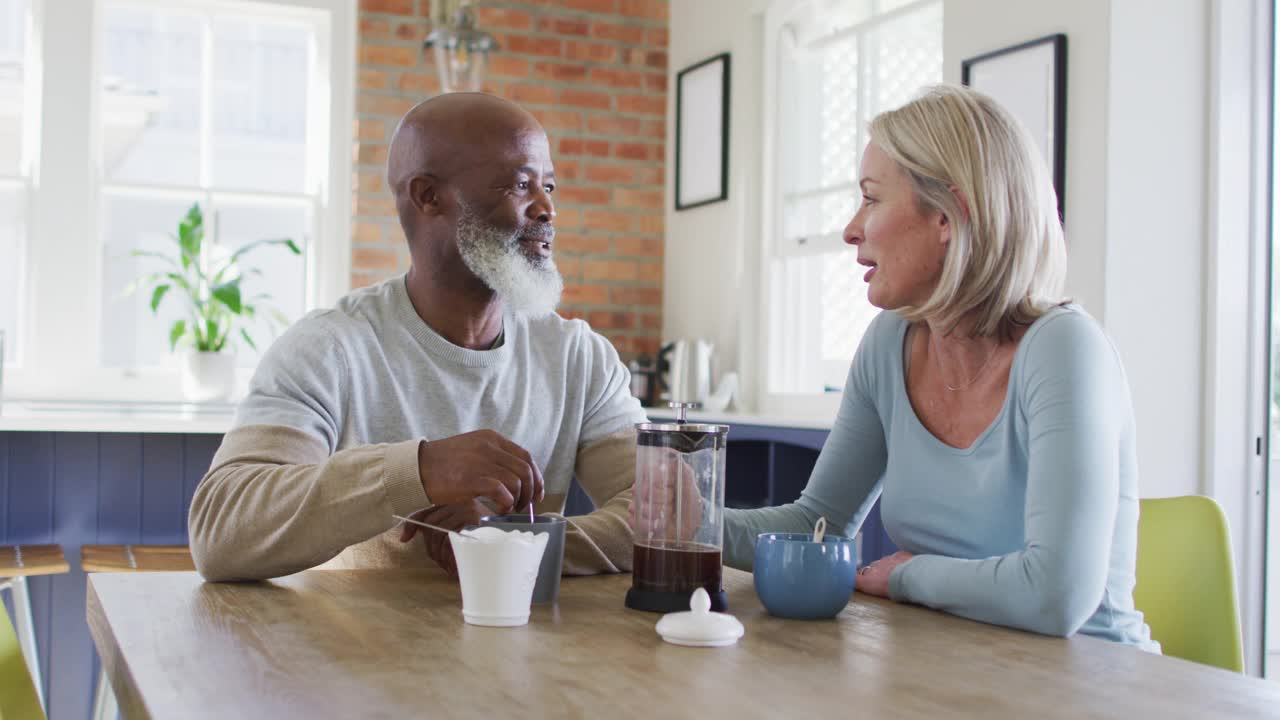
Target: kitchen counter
120,417
734,417
215,418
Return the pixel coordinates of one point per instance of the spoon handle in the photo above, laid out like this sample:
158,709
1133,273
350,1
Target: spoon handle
425,525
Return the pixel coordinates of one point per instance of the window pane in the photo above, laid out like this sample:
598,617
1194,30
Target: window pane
825,215
238,123
12,266
274,278
820,138
909,56
837,72
13,26
260,105
814,346
131,335
151,95
886,6
828,98
846,313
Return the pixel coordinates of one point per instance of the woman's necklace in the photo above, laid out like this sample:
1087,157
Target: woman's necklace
972,380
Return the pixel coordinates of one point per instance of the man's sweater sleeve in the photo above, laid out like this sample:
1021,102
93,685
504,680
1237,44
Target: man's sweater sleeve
275,502
600,542
277,498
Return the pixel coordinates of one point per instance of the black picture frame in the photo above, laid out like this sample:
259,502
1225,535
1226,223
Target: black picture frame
1033,52
704,117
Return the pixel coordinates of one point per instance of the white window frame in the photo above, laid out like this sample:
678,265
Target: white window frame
24,180
775,353
60,326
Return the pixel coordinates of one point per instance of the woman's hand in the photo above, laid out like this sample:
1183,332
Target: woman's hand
666,504
873,579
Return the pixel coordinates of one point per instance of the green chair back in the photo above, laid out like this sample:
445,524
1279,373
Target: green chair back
18,699
1186,580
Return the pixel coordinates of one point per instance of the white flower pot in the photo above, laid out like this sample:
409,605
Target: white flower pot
208,376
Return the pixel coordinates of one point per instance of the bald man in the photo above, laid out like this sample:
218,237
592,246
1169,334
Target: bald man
448,392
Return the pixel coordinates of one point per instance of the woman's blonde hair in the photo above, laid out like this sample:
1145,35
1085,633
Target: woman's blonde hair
1006,261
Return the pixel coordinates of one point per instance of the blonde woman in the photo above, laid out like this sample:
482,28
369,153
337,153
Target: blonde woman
990,416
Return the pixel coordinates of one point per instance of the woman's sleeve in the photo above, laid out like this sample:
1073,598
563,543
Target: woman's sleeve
846,479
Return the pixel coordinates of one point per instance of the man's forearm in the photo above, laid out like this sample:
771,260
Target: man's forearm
274,502
600,542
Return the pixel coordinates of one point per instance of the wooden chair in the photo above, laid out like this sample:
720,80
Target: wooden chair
129,558
17,563
136,558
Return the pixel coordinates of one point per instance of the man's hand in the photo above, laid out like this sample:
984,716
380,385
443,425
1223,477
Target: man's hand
479,464
666,504
451,517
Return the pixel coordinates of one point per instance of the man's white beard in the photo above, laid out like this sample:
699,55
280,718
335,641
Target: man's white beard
529,286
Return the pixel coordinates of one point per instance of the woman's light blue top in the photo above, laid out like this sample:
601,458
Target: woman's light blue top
1033,526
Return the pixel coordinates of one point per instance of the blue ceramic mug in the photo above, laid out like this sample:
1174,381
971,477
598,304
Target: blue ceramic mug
798,578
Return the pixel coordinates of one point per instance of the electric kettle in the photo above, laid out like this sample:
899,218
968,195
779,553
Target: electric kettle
688,377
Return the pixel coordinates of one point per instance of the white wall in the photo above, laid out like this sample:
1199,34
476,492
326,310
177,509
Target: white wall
974,27
711,256
1157,189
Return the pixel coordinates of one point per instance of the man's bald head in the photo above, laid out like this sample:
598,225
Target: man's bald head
473,178
450,132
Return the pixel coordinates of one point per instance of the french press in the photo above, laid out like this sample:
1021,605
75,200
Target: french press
679,513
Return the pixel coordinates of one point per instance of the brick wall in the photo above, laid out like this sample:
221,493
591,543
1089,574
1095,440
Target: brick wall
594,72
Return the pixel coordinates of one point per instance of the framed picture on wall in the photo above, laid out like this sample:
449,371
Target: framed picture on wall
1030,79
702,133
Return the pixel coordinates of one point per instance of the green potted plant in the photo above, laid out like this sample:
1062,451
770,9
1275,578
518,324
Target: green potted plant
209,281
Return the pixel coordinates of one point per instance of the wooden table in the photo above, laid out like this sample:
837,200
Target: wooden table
392,644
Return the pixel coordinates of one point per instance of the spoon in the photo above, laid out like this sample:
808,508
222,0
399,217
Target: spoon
446,530
819,529
425,525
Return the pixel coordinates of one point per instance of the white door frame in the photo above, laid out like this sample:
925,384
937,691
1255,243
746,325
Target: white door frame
1237,266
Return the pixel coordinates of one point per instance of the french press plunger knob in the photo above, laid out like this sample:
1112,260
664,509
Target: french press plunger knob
681,407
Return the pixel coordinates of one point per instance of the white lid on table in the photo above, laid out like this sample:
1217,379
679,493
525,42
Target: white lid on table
698,626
